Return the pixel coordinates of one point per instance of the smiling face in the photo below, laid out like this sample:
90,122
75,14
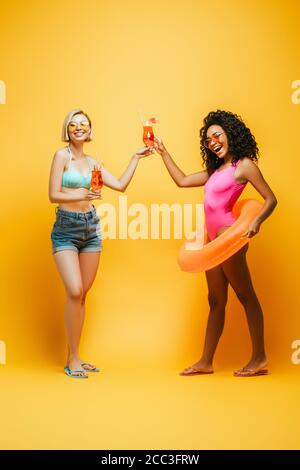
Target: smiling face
79,128
216,140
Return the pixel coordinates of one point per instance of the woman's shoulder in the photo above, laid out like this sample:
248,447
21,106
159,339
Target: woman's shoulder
248,168
61,158
61,154
247,163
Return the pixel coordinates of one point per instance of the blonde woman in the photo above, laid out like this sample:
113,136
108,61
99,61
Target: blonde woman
76,234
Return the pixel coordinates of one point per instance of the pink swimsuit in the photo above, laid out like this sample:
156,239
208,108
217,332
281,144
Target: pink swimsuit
221,191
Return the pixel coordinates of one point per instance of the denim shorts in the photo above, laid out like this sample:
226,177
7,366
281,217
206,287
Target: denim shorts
77,231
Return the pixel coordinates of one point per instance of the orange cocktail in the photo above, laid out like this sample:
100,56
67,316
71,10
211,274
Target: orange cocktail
96,181
148,135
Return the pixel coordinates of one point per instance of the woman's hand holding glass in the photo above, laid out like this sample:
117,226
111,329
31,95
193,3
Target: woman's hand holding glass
84,195
159,146
96,194
143,152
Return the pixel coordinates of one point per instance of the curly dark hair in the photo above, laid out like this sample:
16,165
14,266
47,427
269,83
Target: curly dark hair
241,142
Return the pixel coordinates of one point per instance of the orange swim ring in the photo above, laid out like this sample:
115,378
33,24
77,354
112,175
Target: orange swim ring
197,255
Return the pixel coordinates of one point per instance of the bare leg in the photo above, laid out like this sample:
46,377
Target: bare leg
217,298
237,272
88,263
67,262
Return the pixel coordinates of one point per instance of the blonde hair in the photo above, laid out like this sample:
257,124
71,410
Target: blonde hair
64,134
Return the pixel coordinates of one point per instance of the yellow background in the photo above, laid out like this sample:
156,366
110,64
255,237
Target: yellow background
145,318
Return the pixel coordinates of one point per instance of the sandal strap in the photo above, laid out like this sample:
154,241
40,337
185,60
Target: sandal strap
82,371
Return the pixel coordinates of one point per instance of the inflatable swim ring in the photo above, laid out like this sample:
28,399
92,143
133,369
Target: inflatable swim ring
197,255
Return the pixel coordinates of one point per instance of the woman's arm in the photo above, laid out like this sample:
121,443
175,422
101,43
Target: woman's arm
251,172
124,180
182,180
54,193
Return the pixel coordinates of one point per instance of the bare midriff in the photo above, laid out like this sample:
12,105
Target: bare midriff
75,206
